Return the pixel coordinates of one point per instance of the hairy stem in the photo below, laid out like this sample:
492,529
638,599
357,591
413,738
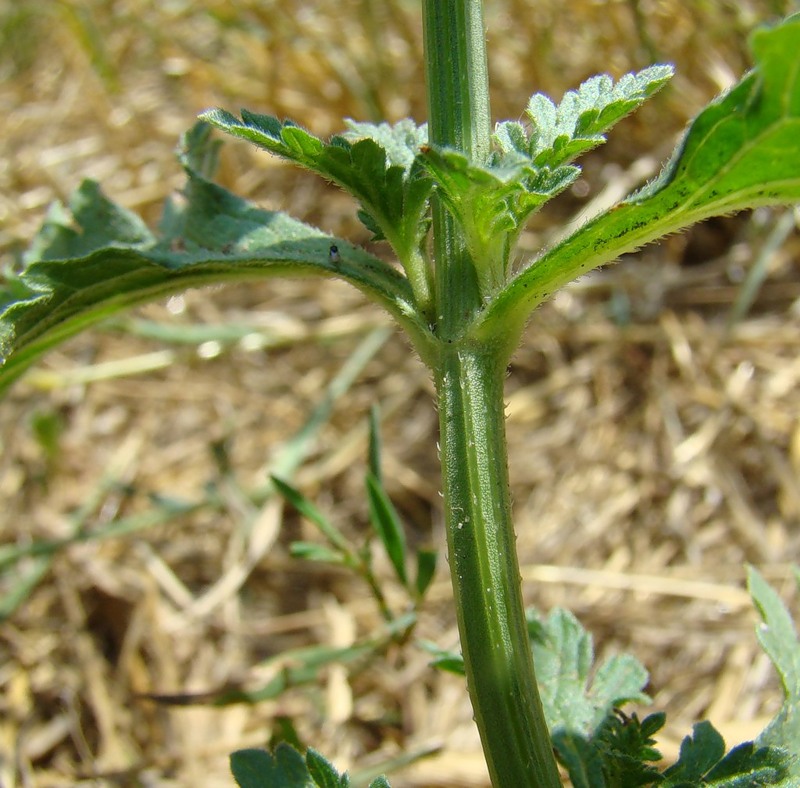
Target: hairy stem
469,382
485,569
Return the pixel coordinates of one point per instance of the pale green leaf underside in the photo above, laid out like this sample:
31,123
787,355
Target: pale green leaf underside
740,152
577,695
492,201
778,637
96,259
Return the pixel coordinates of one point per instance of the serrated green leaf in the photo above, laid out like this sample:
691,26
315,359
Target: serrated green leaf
375,164
200,151
323,772
574,700
401,141
106,260
258,769
740,152
575,706
493,201
698,754
387,525
64,232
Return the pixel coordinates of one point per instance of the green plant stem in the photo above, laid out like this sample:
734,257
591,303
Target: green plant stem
485,569
469,382
459,118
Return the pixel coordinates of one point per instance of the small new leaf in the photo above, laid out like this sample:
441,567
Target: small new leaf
492,201
561,134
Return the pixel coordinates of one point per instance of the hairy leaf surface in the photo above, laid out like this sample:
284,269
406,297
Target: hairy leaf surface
528,167
96,258
740,152
376,164
778,638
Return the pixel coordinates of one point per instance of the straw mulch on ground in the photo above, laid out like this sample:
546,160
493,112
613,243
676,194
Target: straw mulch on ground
653,430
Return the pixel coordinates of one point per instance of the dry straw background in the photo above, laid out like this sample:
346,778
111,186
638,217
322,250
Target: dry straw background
653,417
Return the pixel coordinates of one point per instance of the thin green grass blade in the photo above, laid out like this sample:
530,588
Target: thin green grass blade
306,508
387,525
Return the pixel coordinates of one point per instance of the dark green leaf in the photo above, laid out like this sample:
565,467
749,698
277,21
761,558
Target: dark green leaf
258,769
748,765
323,772
426,568
622,753
699,752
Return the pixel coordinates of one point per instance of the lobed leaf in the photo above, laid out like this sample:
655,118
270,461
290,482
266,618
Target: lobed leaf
561,133
258,769
740,152
575,704
377,164
703,762
493,200
287,768
96,258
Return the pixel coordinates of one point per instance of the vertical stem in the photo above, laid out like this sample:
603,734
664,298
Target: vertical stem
485,569
469,381
458,117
